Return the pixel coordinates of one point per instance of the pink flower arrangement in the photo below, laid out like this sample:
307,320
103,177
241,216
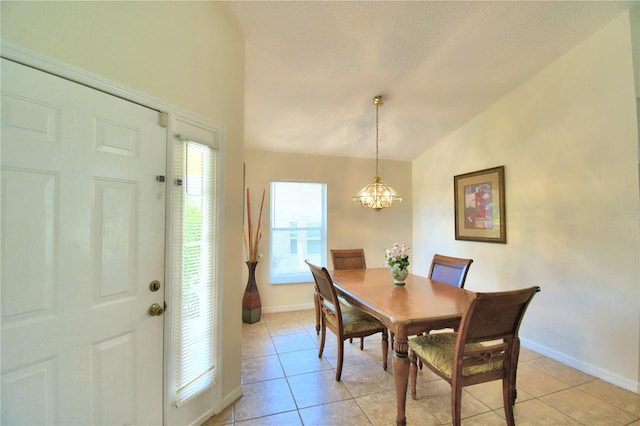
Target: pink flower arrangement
397,256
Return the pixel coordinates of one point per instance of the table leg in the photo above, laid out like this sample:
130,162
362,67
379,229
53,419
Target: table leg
401,374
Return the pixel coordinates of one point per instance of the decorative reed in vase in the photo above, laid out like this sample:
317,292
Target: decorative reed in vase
251,303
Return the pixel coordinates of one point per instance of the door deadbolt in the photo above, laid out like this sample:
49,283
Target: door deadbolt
154,285
156,310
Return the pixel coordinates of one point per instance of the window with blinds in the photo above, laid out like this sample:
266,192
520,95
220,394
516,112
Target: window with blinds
193,276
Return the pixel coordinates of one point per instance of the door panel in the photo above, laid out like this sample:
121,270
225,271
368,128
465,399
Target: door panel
83,221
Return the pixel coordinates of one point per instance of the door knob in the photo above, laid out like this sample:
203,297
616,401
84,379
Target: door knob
156,310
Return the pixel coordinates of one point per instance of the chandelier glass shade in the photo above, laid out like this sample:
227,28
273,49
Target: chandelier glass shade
377,195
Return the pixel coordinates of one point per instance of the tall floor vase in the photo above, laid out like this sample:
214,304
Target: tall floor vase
251,304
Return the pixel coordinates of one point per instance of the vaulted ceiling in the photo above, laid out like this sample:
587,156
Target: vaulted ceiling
313,67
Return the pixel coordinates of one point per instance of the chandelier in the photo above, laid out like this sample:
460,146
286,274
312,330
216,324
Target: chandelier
377,195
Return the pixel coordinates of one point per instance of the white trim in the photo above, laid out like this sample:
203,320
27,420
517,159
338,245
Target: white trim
287,308
606,375
232,397
70,72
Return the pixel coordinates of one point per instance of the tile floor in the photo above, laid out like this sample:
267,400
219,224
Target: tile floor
285,383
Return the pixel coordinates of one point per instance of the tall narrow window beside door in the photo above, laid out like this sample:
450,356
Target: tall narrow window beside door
193,276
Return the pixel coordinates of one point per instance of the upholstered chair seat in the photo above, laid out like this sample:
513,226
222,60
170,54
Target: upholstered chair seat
438,349
354,320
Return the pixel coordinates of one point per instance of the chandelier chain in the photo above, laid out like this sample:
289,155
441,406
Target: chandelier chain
377,106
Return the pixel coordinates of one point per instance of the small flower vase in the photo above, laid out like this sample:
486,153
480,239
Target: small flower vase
398,274
251,303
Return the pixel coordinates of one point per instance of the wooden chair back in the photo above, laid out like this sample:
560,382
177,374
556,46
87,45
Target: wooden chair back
495,315
490,317
348,259
326,292
450,270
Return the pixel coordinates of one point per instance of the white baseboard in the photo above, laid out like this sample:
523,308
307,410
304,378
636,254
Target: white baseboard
607,376
287,308
203,418
231,397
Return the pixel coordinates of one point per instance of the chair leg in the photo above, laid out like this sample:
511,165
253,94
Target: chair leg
340,359
456,402
420,361
323,336
515,355
509,392
316,303
508,401
413,373
385,349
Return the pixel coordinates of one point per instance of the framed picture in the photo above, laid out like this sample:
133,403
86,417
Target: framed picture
479,206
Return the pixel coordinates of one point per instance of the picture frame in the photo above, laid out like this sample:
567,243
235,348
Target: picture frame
479,206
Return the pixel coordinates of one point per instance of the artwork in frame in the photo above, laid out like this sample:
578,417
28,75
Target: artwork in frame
479,206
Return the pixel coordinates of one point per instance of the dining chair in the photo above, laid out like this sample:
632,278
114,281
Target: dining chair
485,348
450,270
349,259
344,320
343,259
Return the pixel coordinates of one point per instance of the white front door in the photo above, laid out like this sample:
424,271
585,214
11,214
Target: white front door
83,236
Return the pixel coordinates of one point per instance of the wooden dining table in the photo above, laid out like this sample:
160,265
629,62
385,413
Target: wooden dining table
420,305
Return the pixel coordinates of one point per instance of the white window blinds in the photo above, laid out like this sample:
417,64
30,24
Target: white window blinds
193,276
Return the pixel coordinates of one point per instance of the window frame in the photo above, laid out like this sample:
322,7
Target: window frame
186,127
303,274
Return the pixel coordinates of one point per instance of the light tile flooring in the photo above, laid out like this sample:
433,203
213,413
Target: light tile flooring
285,383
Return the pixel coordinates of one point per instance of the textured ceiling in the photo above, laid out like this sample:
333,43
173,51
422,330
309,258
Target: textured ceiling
313,67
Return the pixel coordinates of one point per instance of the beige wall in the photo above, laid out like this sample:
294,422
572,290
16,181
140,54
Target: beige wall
188,54
568,140
634,17
349,224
